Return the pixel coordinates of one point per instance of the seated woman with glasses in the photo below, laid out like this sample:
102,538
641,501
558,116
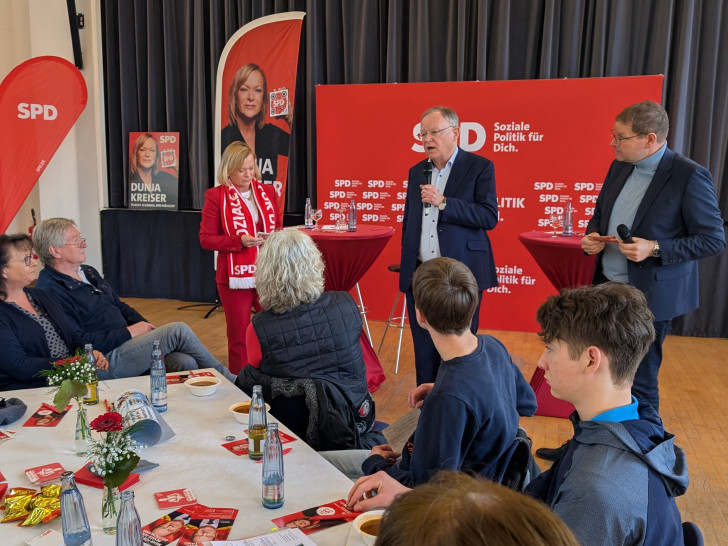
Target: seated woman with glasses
304,348
34,331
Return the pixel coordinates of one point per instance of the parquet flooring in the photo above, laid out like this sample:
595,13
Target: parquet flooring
693,392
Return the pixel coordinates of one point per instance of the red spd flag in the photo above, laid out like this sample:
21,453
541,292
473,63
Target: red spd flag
40,100
255,95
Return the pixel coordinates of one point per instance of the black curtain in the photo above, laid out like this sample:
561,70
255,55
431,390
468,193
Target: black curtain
160,58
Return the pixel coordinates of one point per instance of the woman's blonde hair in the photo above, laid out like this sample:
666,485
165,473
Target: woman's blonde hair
290,271
232,160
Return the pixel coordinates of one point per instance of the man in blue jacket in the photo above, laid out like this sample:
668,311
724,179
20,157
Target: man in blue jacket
113,327
618,477
668,204
448,212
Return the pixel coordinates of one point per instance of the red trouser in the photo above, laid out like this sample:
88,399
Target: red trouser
237,305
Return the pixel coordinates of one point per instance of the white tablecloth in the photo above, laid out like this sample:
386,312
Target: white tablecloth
192,459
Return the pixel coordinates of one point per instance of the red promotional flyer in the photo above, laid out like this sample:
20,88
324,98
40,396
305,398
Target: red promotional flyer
46,416
240,447
207,524
549,142
317,518
45,473
191,524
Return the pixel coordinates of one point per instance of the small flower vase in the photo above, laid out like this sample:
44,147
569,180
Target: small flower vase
109,509
83,432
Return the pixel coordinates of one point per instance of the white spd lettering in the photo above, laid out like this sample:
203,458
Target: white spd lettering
32,111
243,269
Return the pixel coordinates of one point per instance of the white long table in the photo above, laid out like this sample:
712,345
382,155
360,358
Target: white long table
193,458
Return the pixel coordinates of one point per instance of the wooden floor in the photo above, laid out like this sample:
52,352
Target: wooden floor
693,393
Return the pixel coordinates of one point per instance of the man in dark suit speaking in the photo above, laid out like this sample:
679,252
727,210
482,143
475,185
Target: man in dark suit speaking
451,204
668,204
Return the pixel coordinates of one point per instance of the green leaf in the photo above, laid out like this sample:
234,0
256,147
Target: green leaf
123,469
70,388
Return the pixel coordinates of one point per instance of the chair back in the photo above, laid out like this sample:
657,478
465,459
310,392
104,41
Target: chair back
517,466
691,534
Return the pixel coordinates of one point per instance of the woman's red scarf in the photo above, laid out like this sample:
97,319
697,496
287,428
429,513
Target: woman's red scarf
237,220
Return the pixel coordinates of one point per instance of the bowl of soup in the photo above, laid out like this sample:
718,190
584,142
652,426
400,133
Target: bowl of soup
240,411
367,525
202,386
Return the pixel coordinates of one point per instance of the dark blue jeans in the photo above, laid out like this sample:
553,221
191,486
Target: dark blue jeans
645,386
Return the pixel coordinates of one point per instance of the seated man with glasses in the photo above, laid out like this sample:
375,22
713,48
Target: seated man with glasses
451,205
113,327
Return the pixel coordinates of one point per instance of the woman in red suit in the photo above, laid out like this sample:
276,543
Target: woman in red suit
236,217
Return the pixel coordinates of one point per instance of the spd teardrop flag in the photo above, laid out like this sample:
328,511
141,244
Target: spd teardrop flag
40,100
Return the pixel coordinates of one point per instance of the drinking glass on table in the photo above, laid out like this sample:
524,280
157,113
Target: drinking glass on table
557,222
341,217
317,214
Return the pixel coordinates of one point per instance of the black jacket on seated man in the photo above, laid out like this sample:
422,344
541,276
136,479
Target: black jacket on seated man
94,307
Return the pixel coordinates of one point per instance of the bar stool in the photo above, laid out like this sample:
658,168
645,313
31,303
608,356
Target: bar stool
363,312
395,322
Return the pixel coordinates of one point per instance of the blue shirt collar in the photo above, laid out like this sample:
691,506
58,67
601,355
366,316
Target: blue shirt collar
450,161
622,413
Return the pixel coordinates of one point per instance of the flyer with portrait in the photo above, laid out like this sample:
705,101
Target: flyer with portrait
46,416
317,518
191,524
207,524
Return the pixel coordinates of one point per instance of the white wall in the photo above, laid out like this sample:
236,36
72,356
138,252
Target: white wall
73,184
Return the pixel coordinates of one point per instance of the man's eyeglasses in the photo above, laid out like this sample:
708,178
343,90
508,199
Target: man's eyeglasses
423,135
27,259
79,243
618,139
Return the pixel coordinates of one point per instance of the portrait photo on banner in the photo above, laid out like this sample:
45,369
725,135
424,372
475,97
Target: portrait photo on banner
256,93
153,170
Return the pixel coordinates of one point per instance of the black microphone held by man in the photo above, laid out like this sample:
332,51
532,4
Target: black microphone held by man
428,178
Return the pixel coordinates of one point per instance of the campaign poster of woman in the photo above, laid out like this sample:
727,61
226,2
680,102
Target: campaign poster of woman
256,84
153,170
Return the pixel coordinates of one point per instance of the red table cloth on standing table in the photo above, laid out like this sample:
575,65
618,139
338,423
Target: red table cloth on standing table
348,256
564,263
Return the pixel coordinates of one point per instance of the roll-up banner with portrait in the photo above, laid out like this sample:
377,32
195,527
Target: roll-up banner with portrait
153,171
40,100
255,94
548,139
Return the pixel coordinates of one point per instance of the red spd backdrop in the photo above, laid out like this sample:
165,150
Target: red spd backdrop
40,100
549,141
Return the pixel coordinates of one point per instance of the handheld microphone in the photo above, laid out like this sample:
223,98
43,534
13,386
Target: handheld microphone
32,215
428,177
624,233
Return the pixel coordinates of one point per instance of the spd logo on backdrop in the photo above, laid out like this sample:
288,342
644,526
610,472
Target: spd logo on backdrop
40,100
472,137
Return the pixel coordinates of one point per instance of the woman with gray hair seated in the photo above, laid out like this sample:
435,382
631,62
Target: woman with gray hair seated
304,348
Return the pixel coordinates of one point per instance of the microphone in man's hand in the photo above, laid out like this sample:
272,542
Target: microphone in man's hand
624,233
427,171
